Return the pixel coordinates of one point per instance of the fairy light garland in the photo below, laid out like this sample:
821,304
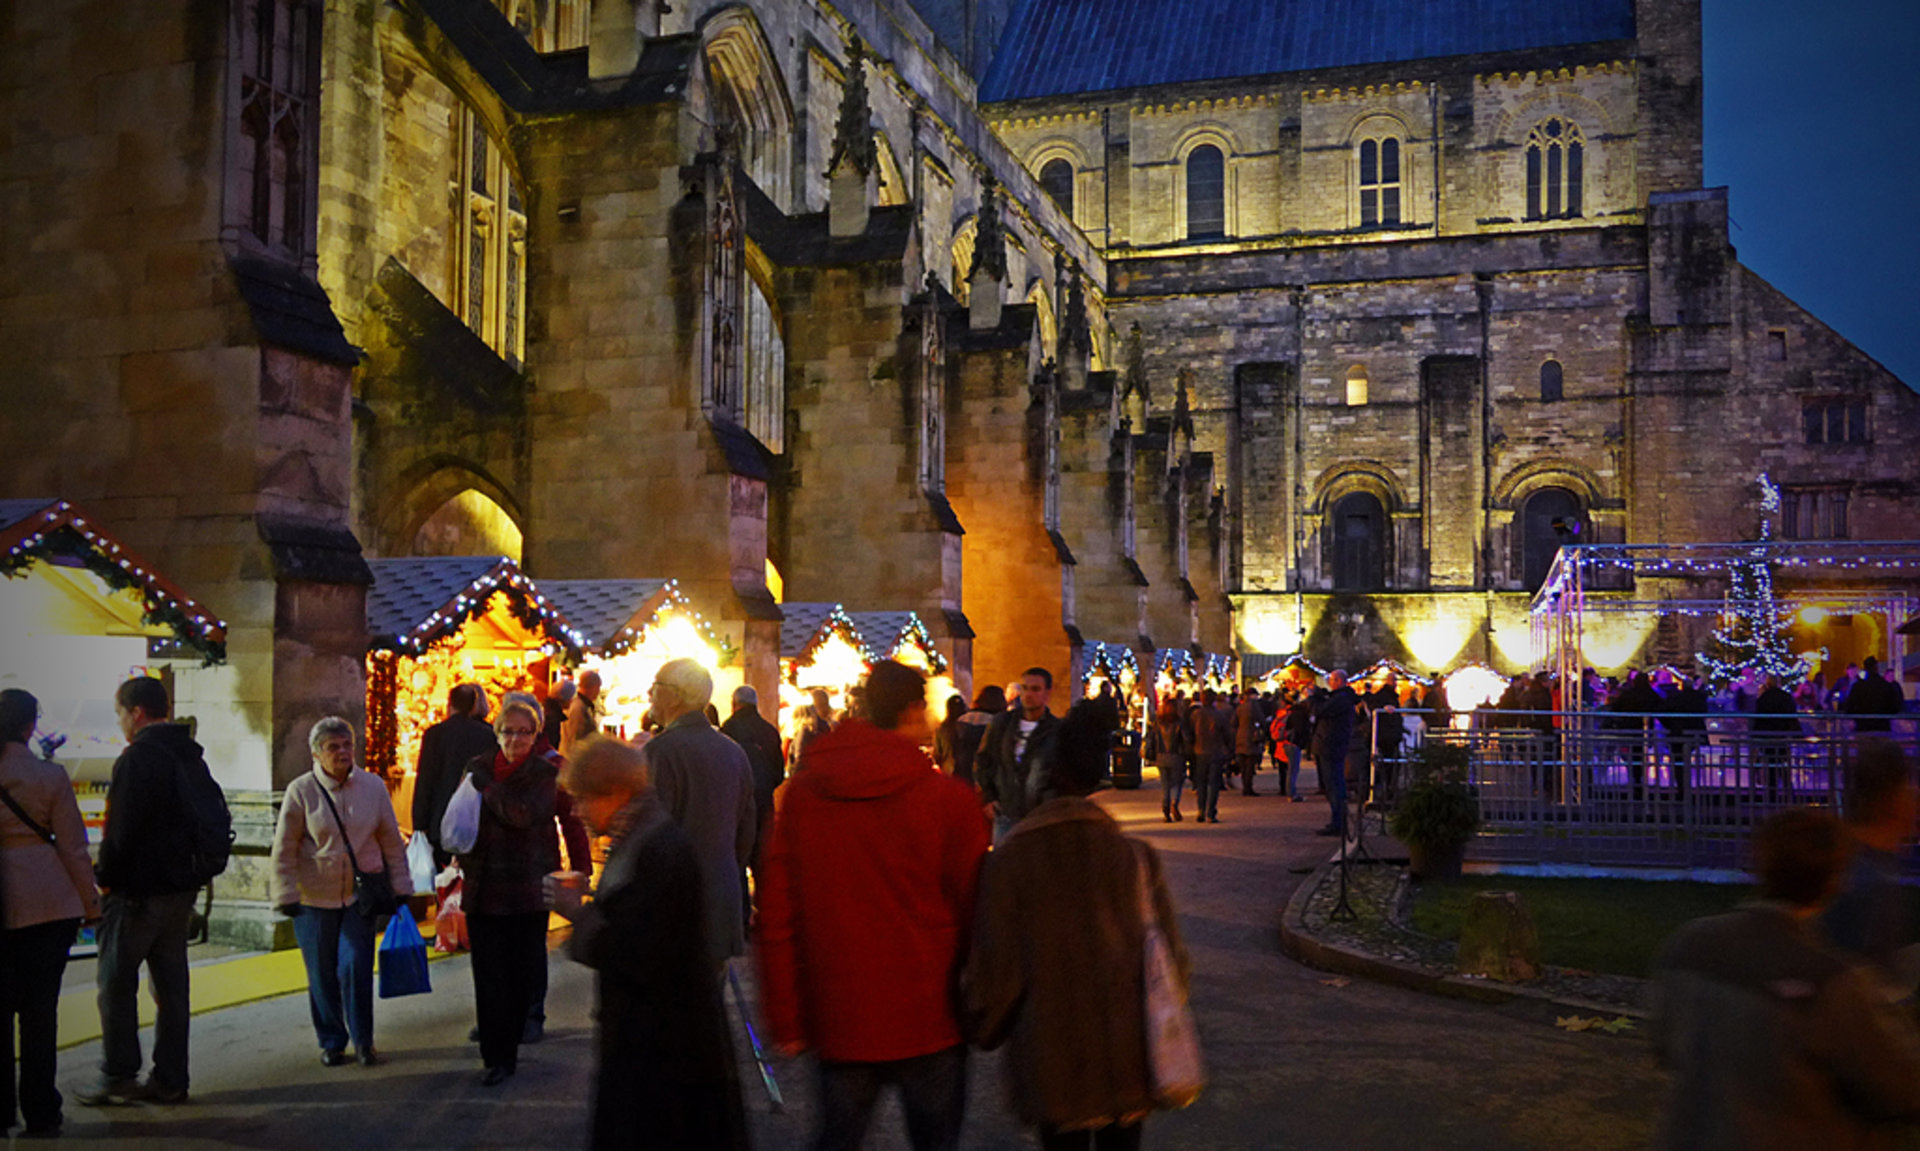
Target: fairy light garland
60,530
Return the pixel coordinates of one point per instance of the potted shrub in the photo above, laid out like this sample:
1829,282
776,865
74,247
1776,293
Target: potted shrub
1438,813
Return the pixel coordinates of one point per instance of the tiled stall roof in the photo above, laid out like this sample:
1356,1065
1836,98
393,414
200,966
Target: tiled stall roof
1059,47
803,622
882,630
599,609
407,591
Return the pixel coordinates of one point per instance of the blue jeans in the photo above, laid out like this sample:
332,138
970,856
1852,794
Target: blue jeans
933,1094
1213,776
149,929
1293,770
337,943
1173,781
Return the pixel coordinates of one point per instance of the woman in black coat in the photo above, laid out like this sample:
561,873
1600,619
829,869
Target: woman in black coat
665,1075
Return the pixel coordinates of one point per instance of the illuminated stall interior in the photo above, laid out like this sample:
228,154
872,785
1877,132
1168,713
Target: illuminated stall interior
1297,673
1407,679
438,622
902,636
1116,664
819,647
1175,671
1469,686
1217,671
79,614
629,629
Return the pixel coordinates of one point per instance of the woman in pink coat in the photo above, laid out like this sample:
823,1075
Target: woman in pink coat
46,882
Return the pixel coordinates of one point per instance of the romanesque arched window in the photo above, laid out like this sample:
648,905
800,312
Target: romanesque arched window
1548,518
1056,176
1551,382
1357,533
1206,193
492,248
1357,383
1556,170
1380,182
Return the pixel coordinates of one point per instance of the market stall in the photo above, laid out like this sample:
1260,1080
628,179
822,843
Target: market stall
1297,673
79,614
1217,670
1373,675
819,647
447,620
903,637
628,630
1116,664
1175,671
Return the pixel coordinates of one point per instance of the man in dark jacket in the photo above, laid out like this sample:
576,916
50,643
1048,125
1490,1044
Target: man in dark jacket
1873,702
761,741
705,784
145,877
1016,755
1685,718
868,896
1333,734
665,1076
1777,1041
445,750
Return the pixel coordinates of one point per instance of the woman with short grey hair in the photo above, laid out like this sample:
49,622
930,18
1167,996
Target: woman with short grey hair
335,820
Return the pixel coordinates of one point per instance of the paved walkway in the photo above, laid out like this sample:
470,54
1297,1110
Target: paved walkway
1297,1061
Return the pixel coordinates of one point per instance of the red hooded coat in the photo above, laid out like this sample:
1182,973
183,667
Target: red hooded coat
867,898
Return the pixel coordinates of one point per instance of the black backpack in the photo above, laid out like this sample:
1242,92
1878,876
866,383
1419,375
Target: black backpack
206,824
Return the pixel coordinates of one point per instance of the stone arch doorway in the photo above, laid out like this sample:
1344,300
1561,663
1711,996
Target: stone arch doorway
1357,530
1540,540
469,524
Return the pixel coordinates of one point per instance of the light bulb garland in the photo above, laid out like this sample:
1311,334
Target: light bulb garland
523,599
61,531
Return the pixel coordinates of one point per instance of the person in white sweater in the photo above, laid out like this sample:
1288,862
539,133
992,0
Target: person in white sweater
335,820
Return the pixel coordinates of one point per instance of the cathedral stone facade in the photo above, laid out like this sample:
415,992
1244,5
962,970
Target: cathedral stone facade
1285,338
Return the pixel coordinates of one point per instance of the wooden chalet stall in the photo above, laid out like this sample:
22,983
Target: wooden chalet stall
903,637
820,646
629,629
447,620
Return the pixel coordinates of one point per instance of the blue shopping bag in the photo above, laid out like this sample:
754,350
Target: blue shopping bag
403,958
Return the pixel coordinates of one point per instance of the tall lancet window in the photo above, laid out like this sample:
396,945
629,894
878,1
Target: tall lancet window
1556,170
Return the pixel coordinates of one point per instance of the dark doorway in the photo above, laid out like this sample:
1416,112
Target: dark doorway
1541,539
1358,525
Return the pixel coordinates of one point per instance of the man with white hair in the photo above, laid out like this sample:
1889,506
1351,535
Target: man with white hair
705,784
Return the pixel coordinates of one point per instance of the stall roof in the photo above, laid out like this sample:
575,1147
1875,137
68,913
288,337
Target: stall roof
1114,655
805,621
885,631
56,530
414,601
601,609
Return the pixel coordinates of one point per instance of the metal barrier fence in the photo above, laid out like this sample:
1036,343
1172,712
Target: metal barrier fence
1615,790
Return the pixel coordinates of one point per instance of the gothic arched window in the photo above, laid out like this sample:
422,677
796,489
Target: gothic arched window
1379,182
493,245
1206,193
1556,170
1551,382
1357,529
278,57
1549,517
1056,176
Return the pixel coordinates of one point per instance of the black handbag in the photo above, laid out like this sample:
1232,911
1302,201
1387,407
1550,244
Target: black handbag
373,894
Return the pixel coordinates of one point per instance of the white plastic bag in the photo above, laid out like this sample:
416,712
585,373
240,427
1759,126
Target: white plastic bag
460,827
420,862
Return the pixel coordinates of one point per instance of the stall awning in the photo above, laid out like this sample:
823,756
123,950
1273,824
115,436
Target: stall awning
415,601
1110,657
808,624
608,613
57,532
886,632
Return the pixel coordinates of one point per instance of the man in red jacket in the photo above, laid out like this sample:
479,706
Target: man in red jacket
870,878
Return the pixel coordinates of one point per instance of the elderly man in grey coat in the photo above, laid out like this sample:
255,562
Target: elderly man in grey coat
705,783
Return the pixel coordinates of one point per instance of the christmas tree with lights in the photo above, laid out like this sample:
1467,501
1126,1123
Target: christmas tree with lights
1752,639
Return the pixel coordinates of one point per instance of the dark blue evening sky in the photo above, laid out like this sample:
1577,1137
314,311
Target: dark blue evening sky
1809,124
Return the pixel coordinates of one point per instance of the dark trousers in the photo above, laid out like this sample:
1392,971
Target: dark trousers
1333,781
337,943
149,929
1246,765
1211,776
32,960
933,1094
509,956
1113,1137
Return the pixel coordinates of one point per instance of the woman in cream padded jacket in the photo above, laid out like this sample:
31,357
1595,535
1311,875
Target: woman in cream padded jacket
313,883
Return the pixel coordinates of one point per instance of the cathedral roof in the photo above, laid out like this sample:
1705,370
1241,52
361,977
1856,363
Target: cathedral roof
1060,47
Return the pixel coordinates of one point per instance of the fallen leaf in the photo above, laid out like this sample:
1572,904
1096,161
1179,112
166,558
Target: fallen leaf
1575,1023
1617,1026
1336,981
